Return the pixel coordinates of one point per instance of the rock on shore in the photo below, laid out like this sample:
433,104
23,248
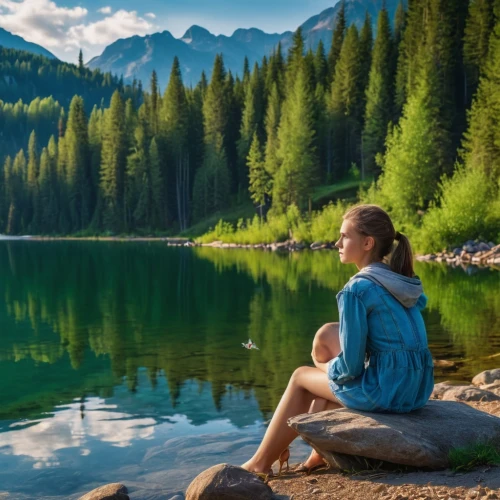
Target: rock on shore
419,439
472,252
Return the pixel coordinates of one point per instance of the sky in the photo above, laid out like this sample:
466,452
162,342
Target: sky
65,26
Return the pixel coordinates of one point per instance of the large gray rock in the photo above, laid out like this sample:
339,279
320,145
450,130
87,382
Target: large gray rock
226,482
487,377
113,491
421,438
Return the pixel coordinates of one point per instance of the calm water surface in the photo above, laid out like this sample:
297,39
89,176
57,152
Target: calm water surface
123,361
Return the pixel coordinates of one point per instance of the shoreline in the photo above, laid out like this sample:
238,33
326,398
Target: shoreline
472,253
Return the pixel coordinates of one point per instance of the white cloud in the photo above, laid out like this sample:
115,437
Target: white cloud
65,30
39,21
105,10
66,429
151,15
122,24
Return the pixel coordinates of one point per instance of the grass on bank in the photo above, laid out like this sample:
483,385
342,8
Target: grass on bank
465,459
242,225
321,226
321,196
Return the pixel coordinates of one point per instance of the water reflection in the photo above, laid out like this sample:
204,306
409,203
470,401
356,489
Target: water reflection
108,345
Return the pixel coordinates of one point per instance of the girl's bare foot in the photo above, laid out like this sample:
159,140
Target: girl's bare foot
313,460
255,467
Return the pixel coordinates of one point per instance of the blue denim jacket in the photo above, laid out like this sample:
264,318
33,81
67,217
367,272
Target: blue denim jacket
384,363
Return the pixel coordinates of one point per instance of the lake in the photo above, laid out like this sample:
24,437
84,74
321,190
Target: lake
122,361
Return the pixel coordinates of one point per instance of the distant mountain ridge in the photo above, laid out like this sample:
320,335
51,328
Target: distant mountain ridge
11,41
137,56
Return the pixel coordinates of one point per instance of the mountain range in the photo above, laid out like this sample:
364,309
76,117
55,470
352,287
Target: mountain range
137,56
12,41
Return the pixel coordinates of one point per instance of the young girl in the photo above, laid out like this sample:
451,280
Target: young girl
376,358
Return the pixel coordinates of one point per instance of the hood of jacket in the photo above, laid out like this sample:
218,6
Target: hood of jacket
406,290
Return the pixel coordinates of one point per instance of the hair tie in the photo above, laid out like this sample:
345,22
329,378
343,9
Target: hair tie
398,236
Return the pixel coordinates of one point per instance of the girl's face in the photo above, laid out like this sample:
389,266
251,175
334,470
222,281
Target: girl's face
354,248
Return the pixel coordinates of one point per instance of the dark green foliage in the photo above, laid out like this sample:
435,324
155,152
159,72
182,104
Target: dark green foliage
337,41
480,22
296,174
113,163
346,106
465,459
174,131
259,179
23,75
78,178
378,110
163,161
365,51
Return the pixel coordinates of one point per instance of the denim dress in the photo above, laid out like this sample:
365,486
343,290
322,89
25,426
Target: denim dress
384,364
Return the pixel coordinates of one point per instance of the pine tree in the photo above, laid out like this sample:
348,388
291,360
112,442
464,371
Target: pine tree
95,145
45,192
481,147
295,59
480,22
296,175
231,133
137,186
259,180
250,124
275,72
52,212
412,40
273,117
63,221
321,65
174,126
414,158
337,40
14,181
379,94
399,24
155,102
246,71
113,165
31,211
6,192
78,178
345,106
143,166
365,51
81,66
212,181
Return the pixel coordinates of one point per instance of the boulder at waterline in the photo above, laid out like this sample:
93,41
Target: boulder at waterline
420,439
226,482
468,393
113,491
487,377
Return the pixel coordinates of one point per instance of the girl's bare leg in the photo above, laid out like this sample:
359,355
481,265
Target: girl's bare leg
326,343
319,404
306,385
326,346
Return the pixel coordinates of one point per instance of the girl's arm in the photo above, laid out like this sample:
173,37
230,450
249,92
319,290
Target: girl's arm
353,332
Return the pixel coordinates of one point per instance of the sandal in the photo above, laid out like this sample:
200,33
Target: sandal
262,475
308,470
284,457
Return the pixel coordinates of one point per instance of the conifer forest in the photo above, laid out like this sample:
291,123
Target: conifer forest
413,107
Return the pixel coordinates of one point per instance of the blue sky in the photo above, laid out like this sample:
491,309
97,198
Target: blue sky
63,26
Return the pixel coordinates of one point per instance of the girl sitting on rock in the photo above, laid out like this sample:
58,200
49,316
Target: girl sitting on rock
376,358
